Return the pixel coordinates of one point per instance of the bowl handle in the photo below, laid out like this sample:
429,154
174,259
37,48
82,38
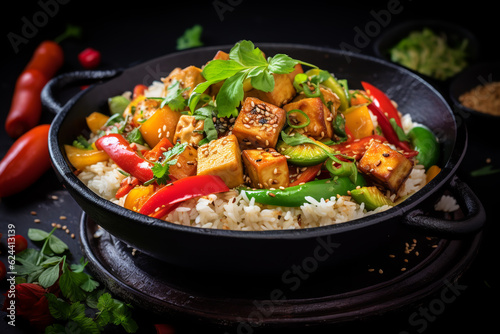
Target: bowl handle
58,83
473,220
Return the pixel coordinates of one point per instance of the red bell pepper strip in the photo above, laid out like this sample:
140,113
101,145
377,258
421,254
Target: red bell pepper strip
126,185
161,147
181,190
382,101
119,150
308,175
25,161
387,129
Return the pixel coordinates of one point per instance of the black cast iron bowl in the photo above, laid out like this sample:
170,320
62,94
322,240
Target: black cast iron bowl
269,251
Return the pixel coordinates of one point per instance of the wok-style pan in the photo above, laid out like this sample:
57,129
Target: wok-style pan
222,250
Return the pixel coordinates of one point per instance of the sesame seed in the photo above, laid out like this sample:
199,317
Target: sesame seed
36,220
178,164
62,217
33,213
271,194
246,126
275,171
72,235
389,168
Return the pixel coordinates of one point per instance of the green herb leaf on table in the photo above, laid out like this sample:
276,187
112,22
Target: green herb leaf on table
79,295
191,38
486,170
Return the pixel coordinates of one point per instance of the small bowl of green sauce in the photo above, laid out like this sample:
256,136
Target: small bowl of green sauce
436,50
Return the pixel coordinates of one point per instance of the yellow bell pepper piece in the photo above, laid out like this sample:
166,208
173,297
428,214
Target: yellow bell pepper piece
95,121
137,196
161,124
359,122
431,173
80,158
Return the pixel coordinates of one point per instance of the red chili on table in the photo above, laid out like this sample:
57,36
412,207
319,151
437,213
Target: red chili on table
89,58
26,107
25,162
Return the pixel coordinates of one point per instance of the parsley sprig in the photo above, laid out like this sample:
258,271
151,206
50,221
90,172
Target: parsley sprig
79,296
245,61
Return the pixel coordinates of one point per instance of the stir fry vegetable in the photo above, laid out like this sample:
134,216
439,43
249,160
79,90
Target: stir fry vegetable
263,127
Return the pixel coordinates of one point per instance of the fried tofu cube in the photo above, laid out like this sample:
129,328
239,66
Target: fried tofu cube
297,69
189,130
222,157
266,168
282,93
221,55
186,163
258,124
385,166
188,77
320,117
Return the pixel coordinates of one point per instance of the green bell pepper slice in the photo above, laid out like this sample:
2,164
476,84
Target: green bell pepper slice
295,196
426,144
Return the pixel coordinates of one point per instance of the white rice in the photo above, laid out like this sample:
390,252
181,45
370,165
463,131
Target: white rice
233,211
103,178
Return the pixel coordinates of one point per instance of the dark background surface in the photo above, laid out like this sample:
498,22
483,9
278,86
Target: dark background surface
131,33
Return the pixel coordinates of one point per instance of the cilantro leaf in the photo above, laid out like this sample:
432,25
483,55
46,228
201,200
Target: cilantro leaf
161,169
245,61
230,95
174,98
191,38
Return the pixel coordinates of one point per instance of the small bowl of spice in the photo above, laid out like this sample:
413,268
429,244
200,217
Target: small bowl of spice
476,91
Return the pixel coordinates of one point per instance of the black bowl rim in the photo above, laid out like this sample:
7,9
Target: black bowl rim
454,94
75,185
405,27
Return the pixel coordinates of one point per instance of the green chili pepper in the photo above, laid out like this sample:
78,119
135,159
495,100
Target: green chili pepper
426,144
296,196
335,87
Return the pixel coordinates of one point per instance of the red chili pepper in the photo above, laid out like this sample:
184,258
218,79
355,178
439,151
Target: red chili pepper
47,58
25,162
26,107
382,101
181,190
89,58
119,150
